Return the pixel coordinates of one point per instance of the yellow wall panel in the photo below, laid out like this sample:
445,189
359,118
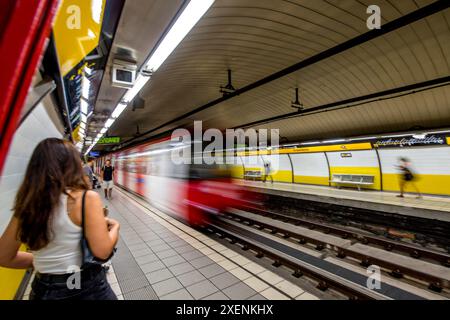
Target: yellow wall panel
427,183
282,176
10,280
359,170
312,180
237,172
77,30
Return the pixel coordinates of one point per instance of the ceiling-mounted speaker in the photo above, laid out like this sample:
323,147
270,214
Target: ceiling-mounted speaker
138,103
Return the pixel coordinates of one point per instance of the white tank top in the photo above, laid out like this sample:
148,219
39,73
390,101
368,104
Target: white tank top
63,252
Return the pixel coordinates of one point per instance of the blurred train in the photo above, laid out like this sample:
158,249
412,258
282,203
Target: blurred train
193,191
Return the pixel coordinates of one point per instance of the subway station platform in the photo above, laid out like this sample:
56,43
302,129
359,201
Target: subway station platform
428,207
159,257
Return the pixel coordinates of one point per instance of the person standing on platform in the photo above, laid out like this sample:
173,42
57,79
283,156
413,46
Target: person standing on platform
48,220
267,172
107,179
407,177
88,175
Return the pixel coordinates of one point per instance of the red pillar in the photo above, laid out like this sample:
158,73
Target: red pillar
25,26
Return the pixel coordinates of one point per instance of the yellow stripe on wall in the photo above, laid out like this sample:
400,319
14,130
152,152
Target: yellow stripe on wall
10,280
312,180
375,171
335,147
427,183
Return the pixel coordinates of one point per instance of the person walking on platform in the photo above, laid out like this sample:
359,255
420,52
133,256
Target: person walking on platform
54,213
107,178
407,177
267,172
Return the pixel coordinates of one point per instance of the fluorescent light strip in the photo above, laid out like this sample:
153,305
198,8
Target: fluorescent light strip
187,20
85,86
103,130
333,141
138,85
118,111
84,106
109,122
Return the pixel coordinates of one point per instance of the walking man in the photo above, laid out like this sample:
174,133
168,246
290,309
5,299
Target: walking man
107,177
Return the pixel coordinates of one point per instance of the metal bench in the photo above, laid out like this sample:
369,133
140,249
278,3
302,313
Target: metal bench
353,179
252,175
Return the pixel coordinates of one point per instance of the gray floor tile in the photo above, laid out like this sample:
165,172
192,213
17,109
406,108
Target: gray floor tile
257,297
211,270
181,294
133,241
171,261
137,247
191,255
166,254
142,252
159,275
159,248
201,289
184,249
155,243
224,280
201,262
190,278
216,296
178,243
239,291
167,286
181,268
152,266
146,259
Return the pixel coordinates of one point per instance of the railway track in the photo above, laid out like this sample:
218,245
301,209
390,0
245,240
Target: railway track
325,274
387,244
399,267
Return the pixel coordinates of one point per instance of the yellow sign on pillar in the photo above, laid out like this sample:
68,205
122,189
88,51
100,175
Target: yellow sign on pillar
77,29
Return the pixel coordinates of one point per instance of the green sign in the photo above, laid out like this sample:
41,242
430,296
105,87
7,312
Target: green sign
109,140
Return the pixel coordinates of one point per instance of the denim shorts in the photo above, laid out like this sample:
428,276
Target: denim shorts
91,286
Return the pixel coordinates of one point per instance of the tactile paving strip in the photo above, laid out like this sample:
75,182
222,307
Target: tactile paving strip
132,281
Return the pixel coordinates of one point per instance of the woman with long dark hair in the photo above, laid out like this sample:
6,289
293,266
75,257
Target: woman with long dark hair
48,220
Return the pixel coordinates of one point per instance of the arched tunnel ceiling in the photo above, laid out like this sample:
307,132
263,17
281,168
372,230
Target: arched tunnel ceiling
257,38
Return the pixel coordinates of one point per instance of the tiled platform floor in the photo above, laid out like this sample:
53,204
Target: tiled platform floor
390,198
161,258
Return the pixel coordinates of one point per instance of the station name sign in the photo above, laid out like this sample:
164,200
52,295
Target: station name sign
109,140
401,142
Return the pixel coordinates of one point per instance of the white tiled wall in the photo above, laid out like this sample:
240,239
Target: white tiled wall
38,126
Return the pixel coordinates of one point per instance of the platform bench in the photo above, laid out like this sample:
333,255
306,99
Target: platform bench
353,179
252,175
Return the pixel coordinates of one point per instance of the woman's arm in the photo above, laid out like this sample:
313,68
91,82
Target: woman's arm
10,256
102,235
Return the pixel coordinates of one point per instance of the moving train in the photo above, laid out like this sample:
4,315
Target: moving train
186,187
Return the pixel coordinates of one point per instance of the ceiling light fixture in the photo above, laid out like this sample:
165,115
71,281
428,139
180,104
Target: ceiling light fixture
185,22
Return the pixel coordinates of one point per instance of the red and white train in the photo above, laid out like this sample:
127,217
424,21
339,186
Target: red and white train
192,192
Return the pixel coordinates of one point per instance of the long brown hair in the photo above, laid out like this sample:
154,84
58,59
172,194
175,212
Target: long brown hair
54,167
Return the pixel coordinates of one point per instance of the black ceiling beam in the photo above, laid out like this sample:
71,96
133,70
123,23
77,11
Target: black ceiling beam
354,101
363,38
